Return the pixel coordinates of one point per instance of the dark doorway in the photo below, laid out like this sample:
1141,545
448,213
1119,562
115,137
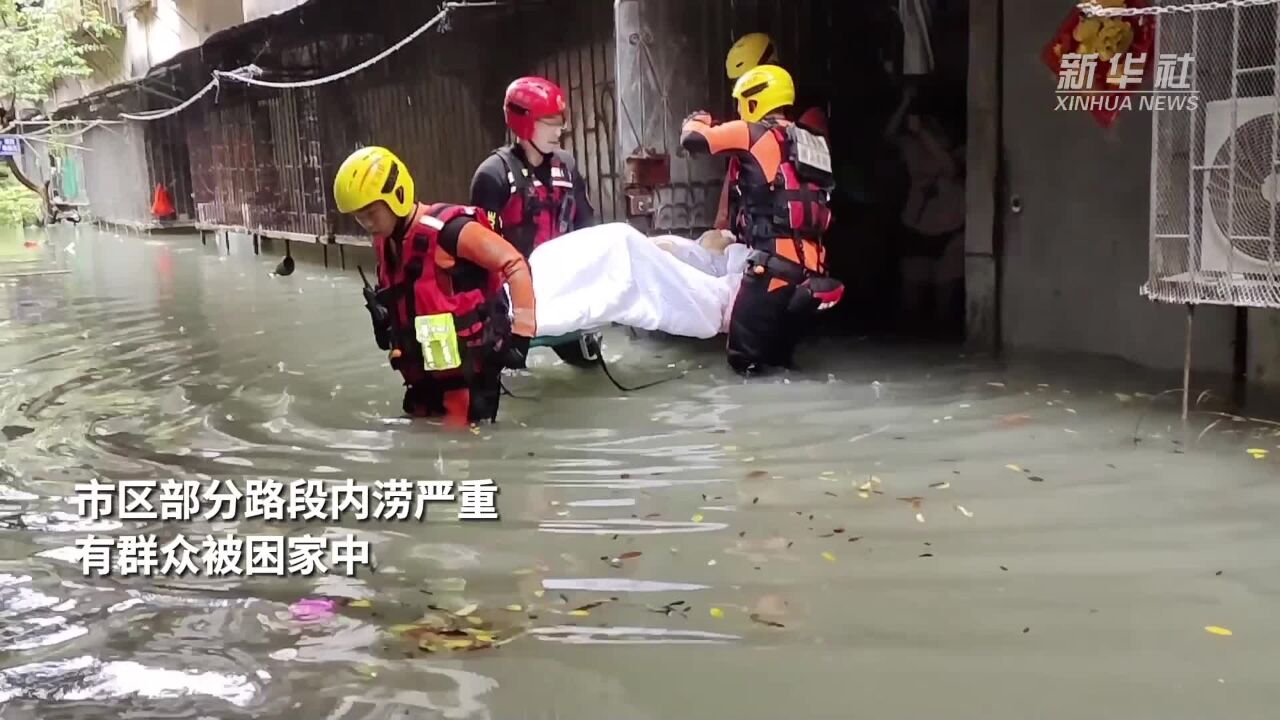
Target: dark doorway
892,76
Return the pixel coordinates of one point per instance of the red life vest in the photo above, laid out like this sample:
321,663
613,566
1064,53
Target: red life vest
536,213
413,284
795,203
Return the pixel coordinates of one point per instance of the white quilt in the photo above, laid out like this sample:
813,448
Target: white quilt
615,274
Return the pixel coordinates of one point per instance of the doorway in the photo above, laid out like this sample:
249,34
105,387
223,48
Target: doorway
892,78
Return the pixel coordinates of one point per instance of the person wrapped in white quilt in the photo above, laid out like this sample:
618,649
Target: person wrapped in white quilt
614,273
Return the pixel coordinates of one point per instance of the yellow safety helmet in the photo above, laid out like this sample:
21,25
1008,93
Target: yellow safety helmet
763,89
371,174
749,51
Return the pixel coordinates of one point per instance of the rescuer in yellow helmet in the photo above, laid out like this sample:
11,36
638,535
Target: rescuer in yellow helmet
780,185
750,51
439,305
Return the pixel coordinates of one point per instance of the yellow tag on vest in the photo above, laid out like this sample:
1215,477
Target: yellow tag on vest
439,340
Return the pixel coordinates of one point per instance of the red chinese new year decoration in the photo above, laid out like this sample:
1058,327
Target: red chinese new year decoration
1107,105
162,206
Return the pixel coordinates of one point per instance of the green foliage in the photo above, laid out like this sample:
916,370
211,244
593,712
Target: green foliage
42,41
18,205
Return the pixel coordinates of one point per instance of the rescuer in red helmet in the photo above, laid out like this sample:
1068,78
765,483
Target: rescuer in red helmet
532,188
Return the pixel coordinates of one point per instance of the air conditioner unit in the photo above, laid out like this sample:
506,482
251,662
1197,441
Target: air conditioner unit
1237,235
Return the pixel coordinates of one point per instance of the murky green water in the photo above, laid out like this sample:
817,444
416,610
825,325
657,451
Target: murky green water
893,534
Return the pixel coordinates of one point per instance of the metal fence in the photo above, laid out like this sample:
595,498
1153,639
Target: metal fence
1215,179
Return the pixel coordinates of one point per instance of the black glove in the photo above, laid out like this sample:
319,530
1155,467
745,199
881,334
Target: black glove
516,353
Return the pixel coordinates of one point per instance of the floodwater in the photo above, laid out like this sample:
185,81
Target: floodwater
894,533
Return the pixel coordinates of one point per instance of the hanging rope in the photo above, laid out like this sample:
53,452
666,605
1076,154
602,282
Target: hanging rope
337,76
248,75
160,114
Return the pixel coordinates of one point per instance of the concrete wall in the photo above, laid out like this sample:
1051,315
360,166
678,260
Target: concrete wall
148,39
1076,255
254,9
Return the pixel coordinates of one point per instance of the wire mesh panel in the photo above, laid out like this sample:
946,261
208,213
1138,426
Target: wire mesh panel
1215,190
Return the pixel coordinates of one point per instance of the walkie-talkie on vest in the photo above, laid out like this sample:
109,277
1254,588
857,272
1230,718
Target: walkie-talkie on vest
381,319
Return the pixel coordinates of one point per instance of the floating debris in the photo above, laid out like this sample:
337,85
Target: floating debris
755,617
961,509
940,485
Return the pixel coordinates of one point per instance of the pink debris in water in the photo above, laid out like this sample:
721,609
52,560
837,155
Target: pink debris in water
313,609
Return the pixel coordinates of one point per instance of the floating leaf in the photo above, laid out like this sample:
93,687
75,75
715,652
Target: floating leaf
1036,478
996,384
539,593
963,511
828,557
629,555
466,610
919,517
1218,630
711,562
1258,453
748,459
697,518
515,608
863,494
1123,397
484,637
579,613
717,612
1014,468
359,604
940,485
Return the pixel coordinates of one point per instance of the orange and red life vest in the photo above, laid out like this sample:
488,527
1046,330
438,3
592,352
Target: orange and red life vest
414,283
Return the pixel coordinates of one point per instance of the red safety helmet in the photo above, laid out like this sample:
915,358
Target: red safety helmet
531,98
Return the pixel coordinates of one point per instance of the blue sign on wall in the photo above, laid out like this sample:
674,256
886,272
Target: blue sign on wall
9,146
